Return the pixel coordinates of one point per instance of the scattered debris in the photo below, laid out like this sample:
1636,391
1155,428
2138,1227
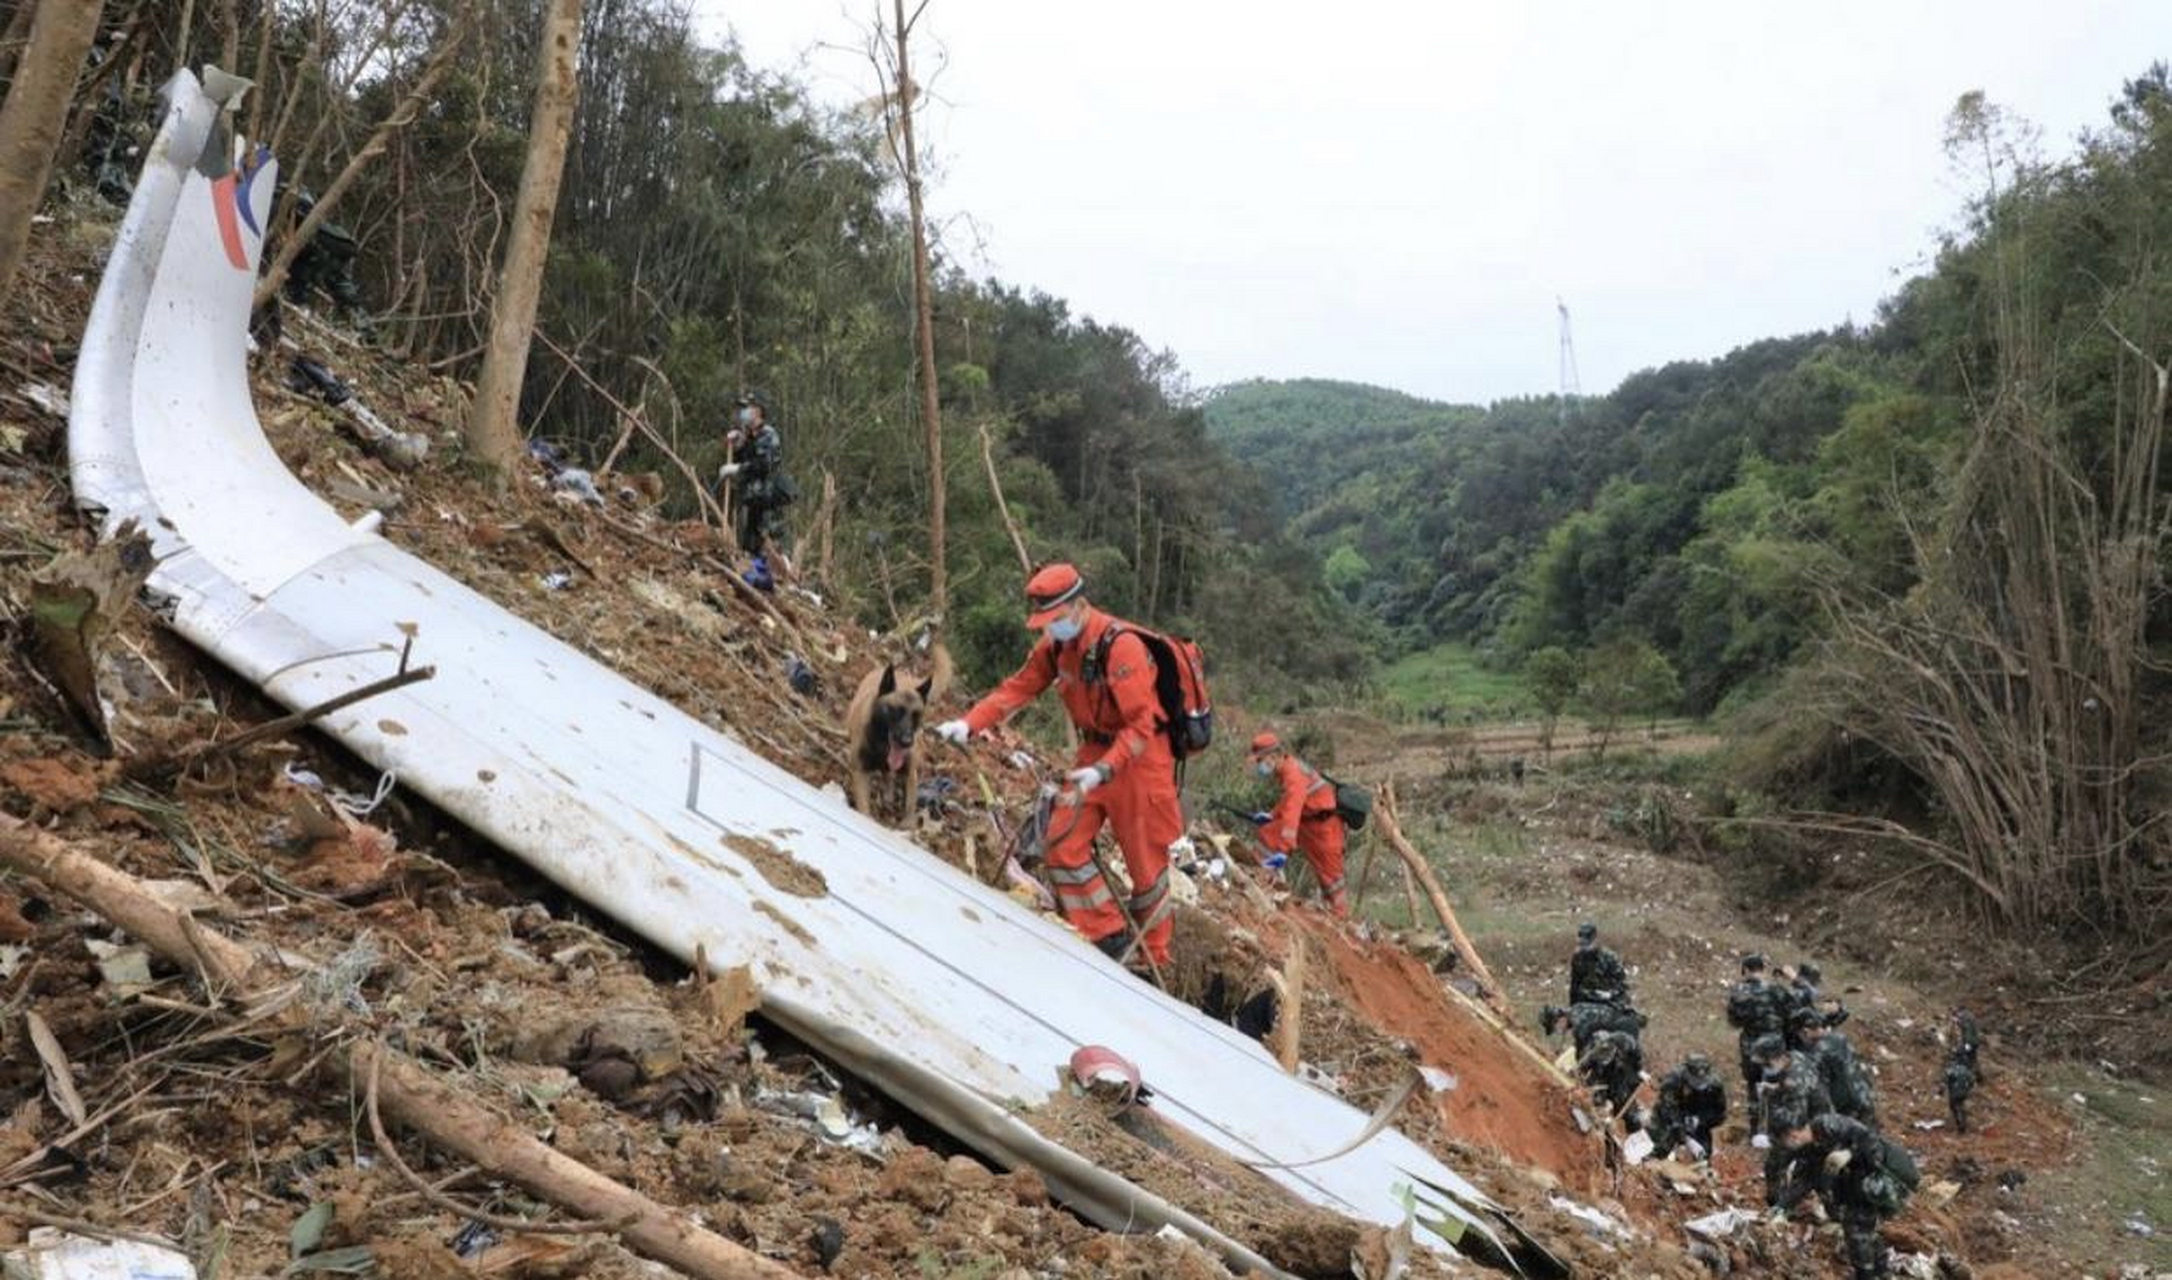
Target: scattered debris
75,601
1722,1225
59,1076
51,1254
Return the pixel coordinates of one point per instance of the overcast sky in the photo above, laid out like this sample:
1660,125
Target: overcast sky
1395,192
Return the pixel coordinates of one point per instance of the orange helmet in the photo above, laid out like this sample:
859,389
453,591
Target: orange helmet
1048,591
1263,742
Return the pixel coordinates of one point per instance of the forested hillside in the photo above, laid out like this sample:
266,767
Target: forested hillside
1520,526
1714,508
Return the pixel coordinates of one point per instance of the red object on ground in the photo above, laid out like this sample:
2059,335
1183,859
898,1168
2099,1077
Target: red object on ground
1098,1068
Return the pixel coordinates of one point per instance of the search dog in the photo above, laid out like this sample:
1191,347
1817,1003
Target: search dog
882,724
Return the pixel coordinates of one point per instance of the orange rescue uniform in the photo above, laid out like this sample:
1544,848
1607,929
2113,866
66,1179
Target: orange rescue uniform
1121,729
1305,819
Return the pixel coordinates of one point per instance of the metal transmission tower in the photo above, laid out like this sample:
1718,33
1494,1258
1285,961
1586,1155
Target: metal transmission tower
1570,387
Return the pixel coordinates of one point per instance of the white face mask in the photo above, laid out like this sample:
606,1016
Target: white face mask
1063,629
1264,769
746,415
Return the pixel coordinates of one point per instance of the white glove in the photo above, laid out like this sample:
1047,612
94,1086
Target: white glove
728,470
954,732
1085,780
1838,1160
1763,1142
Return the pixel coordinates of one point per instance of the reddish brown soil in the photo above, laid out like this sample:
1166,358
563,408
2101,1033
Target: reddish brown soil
1501,1101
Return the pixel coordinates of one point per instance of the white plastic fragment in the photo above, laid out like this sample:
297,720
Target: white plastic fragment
1721,1225
1600,1223
119,966
59,1255
45,396
1437,1080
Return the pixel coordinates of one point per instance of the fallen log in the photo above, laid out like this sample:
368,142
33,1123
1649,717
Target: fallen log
408,1092
1489,990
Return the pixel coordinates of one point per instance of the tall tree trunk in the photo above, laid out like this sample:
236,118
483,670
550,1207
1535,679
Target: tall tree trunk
35,114
230,35
493,427
924,322
18,31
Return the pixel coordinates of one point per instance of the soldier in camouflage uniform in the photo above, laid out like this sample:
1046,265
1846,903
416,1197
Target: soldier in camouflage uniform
1613,1067
1962,1072
1584,1021
1846,1078
1803,985
1692,1103
1967,1040
761,488
1755,1007
1862,1176
1596,975
326,265
1793,1094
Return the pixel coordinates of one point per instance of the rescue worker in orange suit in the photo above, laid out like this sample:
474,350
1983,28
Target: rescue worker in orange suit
1124,775
1305,819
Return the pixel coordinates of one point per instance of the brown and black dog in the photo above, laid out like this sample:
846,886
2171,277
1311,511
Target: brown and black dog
882,724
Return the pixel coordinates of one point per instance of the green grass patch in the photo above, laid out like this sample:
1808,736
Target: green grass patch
2127,1128
1453,676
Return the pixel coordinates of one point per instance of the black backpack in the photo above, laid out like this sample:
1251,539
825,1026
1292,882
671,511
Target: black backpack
1353,804
1180,684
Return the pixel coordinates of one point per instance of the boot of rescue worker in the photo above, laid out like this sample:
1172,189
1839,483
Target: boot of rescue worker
1124,775
1304,818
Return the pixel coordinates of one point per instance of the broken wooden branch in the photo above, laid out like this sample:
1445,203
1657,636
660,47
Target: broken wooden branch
554,538
431,1195
1410,895
1489,990
296,719
440,62
1003,508
80,1226
707,504
59,1078
408,1092
1364,879
120,898
1284,1041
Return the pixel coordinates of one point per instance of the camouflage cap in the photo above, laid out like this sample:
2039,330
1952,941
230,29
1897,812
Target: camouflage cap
1586,931
1753,963
1809,973
1804,1016
1698,1064
1767,1047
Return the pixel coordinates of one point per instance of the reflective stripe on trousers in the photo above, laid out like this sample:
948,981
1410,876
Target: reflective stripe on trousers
1080,888
1143,904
